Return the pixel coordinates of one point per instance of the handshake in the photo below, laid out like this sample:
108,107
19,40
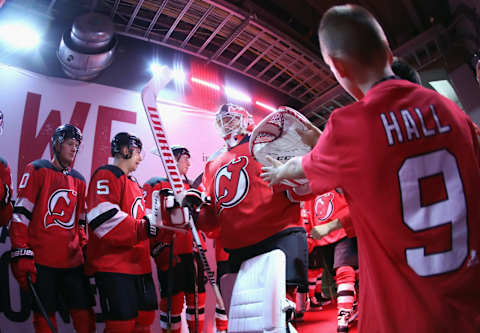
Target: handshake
170,213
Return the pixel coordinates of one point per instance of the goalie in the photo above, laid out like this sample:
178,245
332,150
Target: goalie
252,219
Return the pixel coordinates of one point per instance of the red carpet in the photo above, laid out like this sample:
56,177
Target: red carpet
324,321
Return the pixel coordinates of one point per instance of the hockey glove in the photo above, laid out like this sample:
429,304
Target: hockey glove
173,213
193,198
22,265
150,225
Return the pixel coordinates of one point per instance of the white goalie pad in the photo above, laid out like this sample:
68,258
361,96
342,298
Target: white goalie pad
276,136
258,302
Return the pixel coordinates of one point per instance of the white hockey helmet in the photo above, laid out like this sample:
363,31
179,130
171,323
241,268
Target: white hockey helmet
232,122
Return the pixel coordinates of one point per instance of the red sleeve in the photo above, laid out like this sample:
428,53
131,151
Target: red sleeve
207,220
105,216
22,214
321,165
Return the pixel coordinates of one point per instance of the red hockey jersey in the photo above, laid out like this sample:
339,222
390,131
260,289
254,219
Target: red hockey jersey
6,208
245,208
326,208
183,241
49,215
115,210
407,160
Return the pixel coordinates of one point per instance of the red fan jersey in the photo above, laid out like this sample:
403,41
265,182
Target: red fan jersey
49,215
327,208
407,160
115,209
6,207
183,241
245,208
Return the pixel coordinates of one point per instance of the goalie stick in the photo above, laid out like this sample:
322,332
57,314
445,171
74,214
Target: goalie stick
149,100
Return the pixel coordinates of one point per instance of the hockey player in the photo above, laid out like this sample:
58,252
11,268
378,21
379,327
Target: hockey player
118,252
6,207
251,217
178,281
337,251
48,233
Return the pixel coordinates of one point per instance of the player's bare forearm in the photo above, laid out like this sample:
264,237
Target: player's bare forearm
320,231
277,172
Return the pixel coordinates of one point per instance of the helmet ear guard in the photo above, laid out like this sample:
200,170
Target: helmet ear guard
124,139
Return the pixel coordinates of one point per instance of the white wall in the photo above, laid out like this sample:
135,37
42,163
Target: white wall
34,105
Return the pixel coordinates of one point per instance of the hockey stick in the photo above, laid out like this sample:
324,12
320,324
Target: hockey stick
149,100
39,304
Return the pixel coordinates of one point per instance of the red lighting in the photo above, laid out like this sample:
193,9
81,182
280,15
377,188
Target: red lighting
205,83
266,106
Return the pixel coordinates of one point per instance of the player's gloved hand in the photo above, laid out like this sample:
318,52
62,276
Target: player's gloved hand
22,265
194,198
151,225
169,198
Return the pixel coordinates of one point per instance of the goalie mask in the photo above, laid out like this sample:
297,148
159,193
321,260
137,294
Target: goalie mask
233,122
124,139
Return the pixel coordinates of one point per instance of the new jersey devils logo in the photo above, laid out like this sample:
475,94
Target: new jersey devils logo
138,209
324,206
61,209
231,183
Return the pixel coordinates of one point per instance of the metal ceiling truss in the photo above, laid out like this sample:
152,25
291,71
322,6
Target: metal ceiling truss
220,33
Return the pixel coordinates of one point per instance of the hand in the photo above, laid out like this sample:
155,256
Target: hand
22,265
310,135
194,198
271,174
151,225
320,231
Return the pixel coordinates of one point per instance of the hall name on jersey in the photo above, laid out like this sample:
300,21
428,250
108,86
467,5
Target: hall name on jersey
411,125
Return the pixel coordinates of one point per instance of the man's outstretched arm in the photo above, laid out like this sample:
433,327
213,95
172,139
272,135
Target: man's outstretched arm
277,172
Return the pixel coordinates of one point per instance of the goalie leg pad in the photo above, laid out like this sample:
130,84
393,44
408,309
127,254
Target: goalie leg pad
258,300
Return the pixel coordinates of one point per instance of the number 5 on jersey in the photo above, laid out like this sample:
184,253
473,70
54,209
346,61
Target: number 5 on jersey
102,187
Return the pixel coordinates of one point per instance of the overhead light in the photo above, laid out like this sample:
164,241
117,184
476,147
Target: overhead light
155,68
19,35
205,83
444,88
179,75
237,95
266,106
